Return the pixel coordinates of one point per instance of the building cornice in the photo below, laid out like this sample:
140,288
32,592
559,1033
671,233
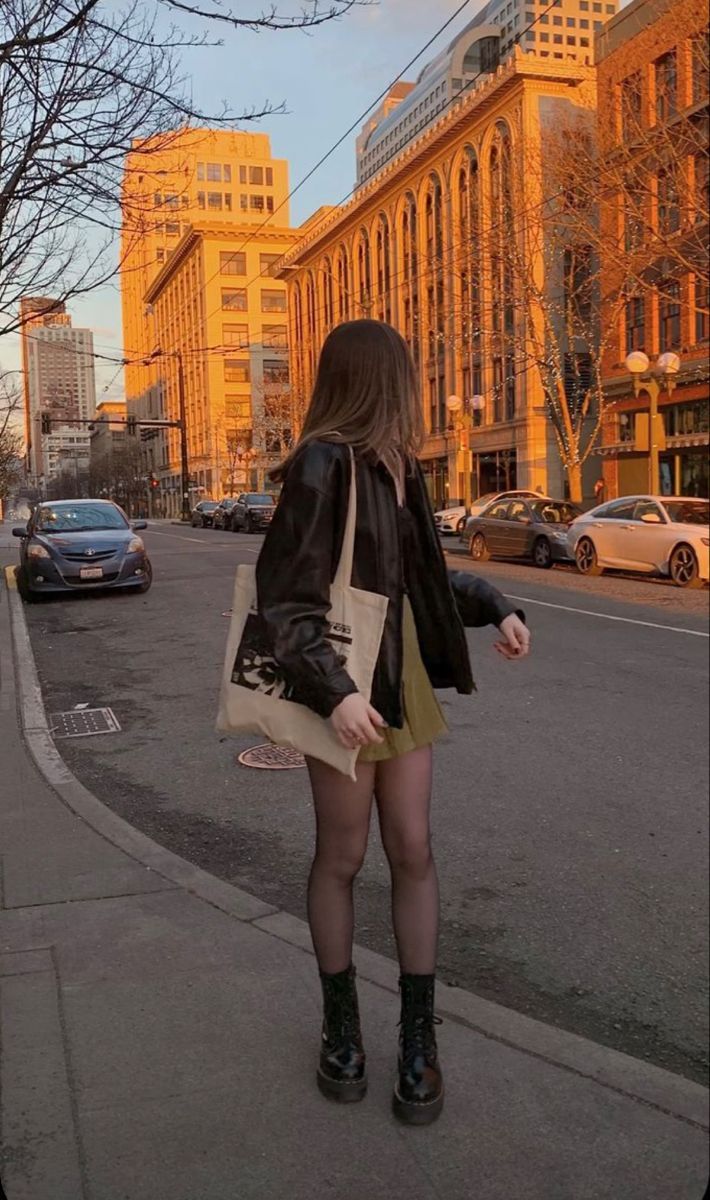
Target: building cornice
217,229
518,70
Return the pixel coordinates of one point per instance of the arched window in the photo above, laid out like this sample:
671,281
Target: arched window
436,316
311,319
502,270
342,273
384,270
410,260
469,257
328,308
364,271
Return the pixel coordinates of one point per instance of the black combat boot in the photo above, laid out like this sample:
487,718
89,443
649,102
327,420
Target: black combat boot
419,1091
341,1072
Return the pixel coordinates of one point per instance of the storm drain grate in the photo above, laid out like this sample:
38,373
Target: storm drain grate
84,722
271,758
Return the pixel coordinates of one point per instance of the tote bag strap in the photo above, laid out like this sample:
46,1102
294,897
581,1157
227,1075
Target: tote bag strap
344,574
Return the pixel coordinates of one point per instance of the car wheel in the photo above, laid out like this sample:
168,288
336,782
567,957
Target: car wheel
542,554
479,548
585,557
684,568
24,588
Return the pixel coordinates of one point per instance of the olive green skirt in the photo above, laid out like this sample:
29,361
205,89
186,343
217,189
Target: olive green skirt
423,718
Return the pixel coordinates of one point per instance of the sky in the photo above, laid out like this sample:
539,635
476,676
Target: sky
326,79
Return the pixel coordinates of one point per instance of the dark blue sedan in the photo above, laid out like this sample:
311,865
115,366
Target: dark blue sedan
81,544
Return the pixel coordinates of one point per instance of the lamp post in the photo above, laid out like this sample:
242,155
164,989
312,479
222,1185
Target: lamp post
648,379
461,413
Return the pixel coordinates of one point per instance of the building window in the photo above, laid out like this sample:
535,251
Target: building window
669,315
270,204
668,202
235,335
234,299
275,337
364,273
236,370
232,263
256,203
214,200
267,264
157,200
635,324
227,173
684,420
214,172
701,179
666,72
702,309
384,270
701,67
273,301
238,409
228,201
200,199
243,202
571,22
269,176
242,174
172,228
256,175
275,372
200,170
634,225
160,255
557,39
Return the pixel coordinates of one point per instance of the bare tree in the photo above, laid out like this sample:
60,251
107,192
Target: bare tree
82,82
119,475
10,439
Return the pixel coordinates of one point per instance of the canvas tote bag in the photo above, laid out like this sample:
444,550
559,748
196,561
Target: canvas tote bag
255,695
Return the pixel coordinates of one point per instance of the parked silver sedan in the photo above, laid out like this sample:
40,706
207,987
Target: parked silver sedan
655,535
533,529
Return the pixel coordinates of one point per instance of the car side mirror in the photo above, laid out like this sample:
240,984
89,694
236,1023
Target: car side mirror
651,518
18,532
136,526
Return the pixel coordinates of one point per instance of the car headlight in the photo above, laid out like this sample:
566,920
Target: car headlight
34,550
135,546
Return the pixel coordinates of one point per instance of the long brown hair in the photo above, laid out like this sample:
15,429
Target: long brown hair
366,395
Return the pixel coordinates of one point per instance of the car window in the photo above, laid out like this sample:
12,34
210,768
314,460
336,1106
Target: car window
554,512
259,498
620,510
518,511
498,512
642,507
78,517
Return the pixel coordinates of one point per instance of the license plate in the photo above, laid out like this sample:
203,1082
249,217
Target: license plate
91,573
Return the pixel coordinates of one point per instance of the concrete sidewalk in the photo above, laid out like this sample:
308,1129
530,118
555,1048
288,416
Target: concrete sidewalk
159,1031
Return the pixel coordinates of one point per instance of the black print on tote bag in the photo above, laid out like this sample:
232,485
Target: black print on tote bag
256,668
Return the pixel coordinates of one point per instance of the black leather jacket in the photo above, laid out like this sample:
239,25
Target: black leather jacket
298,563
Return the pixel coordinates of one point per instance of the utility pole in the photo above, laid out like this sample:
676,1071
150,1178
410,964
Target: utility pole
184,464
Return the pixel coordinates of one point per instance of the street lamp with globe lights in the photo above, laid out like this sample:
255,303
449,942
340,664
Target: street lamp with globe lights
649,379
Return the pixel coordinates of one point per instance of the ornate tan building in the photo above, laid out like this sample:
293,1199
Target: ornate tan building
422,245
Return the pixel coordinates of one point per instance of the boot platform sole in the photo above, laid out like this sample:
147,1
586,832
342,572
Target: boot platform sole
342,1092
417,1114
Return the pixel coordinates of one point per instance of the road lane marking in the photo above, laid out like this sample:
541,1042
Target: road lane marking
180,538
585,612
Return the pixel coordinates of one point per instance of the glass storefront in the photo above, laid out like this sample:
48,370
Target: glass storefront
685,472
436,478
494,472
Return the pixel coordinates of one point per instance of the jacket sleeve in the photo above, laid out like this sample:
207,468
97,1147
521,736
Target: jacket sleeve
294,573
478,602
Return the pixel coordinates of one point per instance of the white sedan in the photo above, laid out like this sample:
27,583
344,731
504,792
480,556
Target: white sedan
453,520
656,535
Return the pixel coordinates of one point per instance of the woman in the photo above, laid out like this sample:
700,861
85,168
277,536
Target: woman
366,401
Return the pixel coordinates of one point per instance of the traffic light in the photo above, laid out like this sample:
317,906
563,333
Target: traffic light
131,426
46,423
153,481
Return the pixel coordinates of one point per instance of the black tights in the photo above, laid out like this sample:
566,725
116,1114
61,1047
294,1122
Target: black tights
402,790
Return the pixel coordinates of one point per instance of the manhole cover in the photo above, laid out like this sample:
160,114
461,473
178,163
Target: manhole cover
271,758
84,722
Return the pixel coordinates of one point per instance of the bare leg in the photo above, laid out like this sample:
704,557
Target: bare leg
403,791
342,811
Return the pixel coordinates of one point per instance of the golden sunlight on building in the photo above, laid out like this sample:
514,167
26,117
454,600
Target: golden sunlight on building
426,245
205,220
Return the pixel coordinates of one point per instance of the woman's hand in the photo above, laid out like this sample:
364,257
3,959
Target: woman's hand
517,638
356,722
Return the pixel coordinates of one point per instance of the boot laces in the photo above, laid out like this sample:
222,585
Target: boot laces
417,1031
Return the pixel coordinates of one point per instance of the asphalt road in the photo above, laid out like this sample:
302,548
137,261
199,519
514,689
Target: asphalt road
570,816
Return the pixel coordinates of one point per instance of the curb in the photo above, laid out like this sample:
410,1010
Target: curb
633,1078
